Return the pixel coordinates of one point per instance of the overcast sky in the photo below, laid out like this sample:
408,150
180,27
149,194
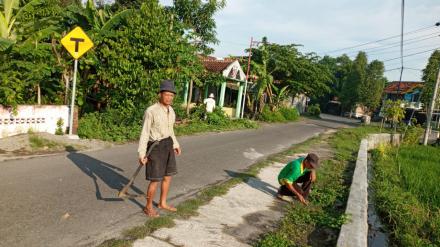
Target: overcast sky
323,25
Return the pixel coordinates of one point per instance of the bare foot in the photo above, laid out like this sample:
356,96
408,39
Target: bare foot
151,212
167,207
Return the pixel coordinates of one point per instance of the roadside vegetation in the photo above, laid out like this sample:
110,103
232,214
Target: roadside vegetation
318,224
406,181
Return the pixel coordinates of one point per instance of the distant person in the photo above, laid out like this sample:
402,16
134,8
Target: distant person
158,125
210,103
301,170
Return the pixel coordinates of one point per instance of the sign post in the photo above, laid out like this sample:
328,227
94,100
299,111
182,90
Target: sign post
76,43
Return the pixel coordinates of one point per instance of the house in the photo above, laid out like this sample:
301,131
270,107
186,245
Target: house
229,94
408,91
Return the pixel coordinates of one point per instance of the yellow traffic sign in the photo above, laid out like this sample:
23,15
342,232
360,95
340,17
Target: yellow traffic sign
77,42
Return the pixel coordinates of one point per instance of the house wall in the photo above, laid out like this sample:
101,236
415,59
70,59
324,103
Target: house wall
39,118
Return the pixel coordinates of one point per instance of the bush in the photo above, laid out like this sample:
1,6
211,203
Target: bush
413,134
290,114
217,117
111,125
314,110
59,129
271,116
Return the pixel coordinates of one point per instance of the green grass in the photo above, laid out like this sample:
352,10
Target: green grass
318,224
409,201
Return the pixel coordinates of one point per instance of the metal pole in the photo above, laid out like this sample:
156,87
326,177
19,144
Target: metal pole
72,103
247,77
431,109
401,47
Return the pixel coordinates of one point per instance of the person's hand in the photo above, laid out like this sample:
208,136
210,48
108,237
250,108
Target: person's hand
302,200
177,151
143,161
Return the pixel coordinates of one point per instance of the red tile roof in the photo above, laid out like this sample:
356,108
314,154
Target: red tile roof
213,64
405,87
216,65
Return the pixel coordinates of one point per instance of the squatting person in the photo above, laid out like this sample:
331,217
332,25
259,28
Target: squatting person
301,170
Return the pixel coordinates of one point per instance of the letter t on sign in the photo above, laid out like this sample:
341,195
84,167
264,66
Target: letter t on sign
77,40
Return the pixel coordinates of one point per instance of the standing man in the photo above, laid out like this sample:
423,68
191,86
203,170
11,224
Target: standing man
301,170
161,164
210,103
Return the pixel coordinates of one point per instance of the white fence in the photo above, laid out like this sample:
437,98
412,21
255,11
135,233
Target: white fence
39,118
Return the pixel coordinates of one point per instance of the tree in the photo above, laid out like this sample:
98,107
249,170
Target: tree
430,77
370,90
29,64
356,77
132,57
197,17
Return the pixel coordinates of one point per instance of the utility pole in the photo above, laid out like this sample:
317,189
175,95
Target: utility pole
431,109
247,73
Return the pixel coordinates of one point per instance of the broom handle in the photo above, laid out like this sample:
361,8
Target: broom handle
139,168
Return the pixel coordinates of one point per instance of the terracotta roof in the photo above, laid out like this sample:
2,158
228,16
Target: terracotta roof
405,87
213,64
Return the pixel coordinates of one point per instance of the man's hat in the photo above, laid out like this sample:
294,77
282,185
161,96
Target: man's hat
313,160
168,86
211,95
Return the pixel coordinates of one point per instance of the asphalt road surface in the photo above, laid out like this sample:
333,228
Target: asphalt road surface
71,199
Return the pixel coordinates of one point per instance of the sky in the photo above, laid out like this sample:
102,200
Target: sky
321,26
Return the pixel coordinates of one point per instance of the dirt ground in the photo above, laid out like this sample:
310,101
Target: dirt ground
44,143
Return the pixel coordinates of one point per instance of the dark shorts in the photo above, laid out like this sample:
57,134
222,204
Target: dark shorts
161,161
305,179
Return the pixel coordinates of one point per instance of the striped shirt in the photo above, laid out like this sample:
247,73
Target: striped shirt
158,124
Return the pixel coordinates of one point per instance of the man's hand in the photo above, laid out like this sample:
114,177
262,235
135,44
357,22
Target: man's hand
177,151
143,161
302,200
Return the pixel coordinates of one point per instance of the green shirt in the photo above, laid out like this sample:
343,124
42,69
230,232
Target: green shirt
292,171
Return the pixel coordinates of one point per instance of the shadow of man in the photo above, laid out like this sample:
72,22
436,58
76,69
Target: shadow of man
107,173
254,182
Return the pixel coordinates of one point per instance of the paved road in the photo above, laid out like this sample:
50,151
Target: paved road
70,199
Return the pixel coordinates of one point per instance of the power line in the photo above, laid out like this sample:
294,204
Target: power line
406,49
380,40
413,54
391,69
414,69
397,44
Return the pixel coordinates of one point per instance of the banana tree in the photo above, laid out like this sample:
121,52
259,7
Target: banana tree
280,94
10,14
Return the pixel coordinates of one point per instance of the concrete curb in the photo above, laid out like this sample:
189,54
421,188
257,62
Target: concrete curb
355,232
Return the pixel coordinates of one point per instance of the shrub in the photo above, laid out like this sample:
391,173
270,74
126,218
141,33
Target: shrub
314,110
217,117
271,116
290,114
59,130
413,134
111,125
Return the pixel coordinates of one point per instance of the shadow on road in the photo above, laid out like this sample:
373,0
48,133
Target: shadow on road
254,182
97,169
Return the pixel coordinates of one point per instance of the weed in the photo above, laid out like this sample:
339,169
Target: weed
37,142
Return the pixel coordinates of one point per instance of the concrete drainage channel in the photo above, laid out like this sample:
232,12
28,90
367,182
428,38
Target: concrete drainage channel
356,232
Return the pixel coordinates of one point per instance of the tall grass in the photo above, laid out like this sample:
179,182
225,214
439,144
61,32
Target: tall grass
409,201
